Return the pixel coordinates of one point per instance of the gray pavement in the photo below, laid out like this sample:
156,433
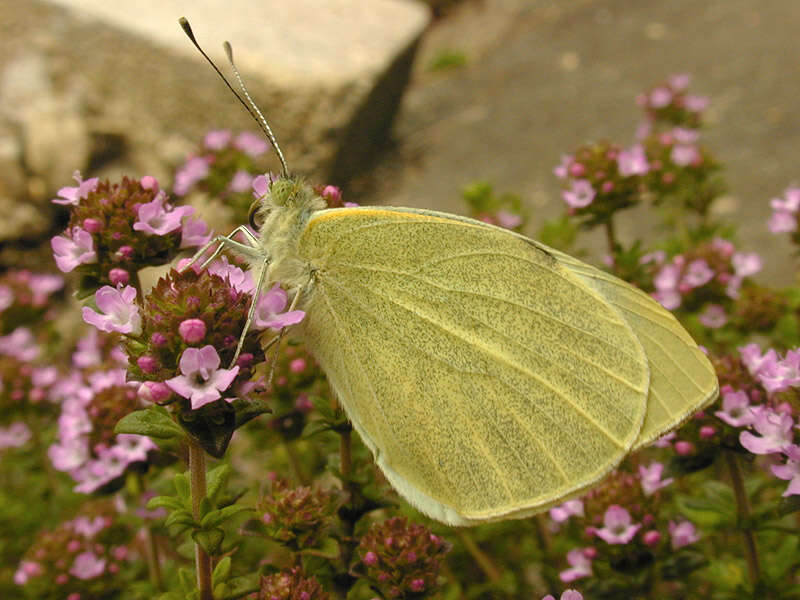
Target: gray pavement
543,77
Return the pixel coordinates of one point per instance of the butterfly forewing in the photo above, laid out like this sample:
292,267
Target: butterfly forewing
488,380
682,380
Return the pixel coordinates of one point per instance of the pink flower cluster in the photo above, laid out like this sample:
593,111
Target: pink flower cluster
785,211
771,429
670,102
224,155
90,462
715,264
74,556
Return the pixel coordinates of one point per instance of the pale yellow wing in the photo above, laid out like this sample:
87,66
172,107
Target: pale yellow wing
682,380
488,380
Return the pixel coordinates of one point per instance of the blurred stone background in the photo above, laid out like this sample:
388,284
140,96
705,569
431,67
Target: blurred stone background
113,88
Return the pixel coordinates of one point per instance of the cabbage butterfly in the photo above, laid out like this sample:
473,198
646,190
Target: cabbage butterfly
492,377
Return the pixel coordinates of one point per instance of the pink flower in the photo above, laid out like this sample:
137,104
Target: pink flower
87,527
87,566
789,203
194,170
240,182
195,232
618,527
580,566
713,316
580,194
566,595
119,310
202,379
684,154
20,344
508,219
679,81
735,408
236,277
695,103
660,97
746,263
698,273
782,375
560,171
790,471
217,139
74,195
775,429
756,362
26,570
156,218
651,538
570,508
14,436
252,144
782,222
632,161
683,135
650,478
268,312
69,252
666,284
682,534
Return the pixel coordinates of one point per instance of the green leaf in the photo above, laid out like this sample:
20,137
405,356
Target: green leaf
181,483
788,505
217,517
712,507
239,587
222,571
247,410
217,480
168,502
154,422
209,539
180,517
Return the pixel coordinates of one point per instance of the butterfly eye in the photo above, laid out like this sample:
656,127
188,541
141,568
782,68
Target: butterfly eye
252,214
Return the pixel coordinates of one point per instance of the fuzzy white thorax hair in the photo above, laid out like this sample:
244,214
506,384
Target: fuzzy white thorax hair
284,212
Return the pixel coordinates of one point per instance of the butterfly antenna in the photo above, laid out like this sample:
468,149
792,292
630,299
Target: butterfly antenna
261,120
249,106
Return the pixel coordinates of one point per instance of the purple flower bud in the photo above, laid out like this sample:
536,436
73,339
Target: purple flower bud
707,432
245,360
158,339
125,252
607,187
411,557
154,391
148,364
576,169
417,585
192,330
370,559
92,225
149,182
298,365
117,276
651,538
684,448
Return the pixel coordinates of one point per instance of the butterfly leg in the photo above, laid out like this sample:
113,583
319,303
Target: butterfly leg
277,339
250,249
262,271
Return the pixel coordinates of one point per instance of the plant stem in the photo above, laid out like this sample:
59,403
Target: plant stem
136,487
345,457
743,517
294,461
491,570
197,473
611,238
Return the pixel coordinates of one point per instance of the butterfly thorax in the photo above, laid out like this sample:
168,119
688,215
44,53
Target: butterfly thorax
284,213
